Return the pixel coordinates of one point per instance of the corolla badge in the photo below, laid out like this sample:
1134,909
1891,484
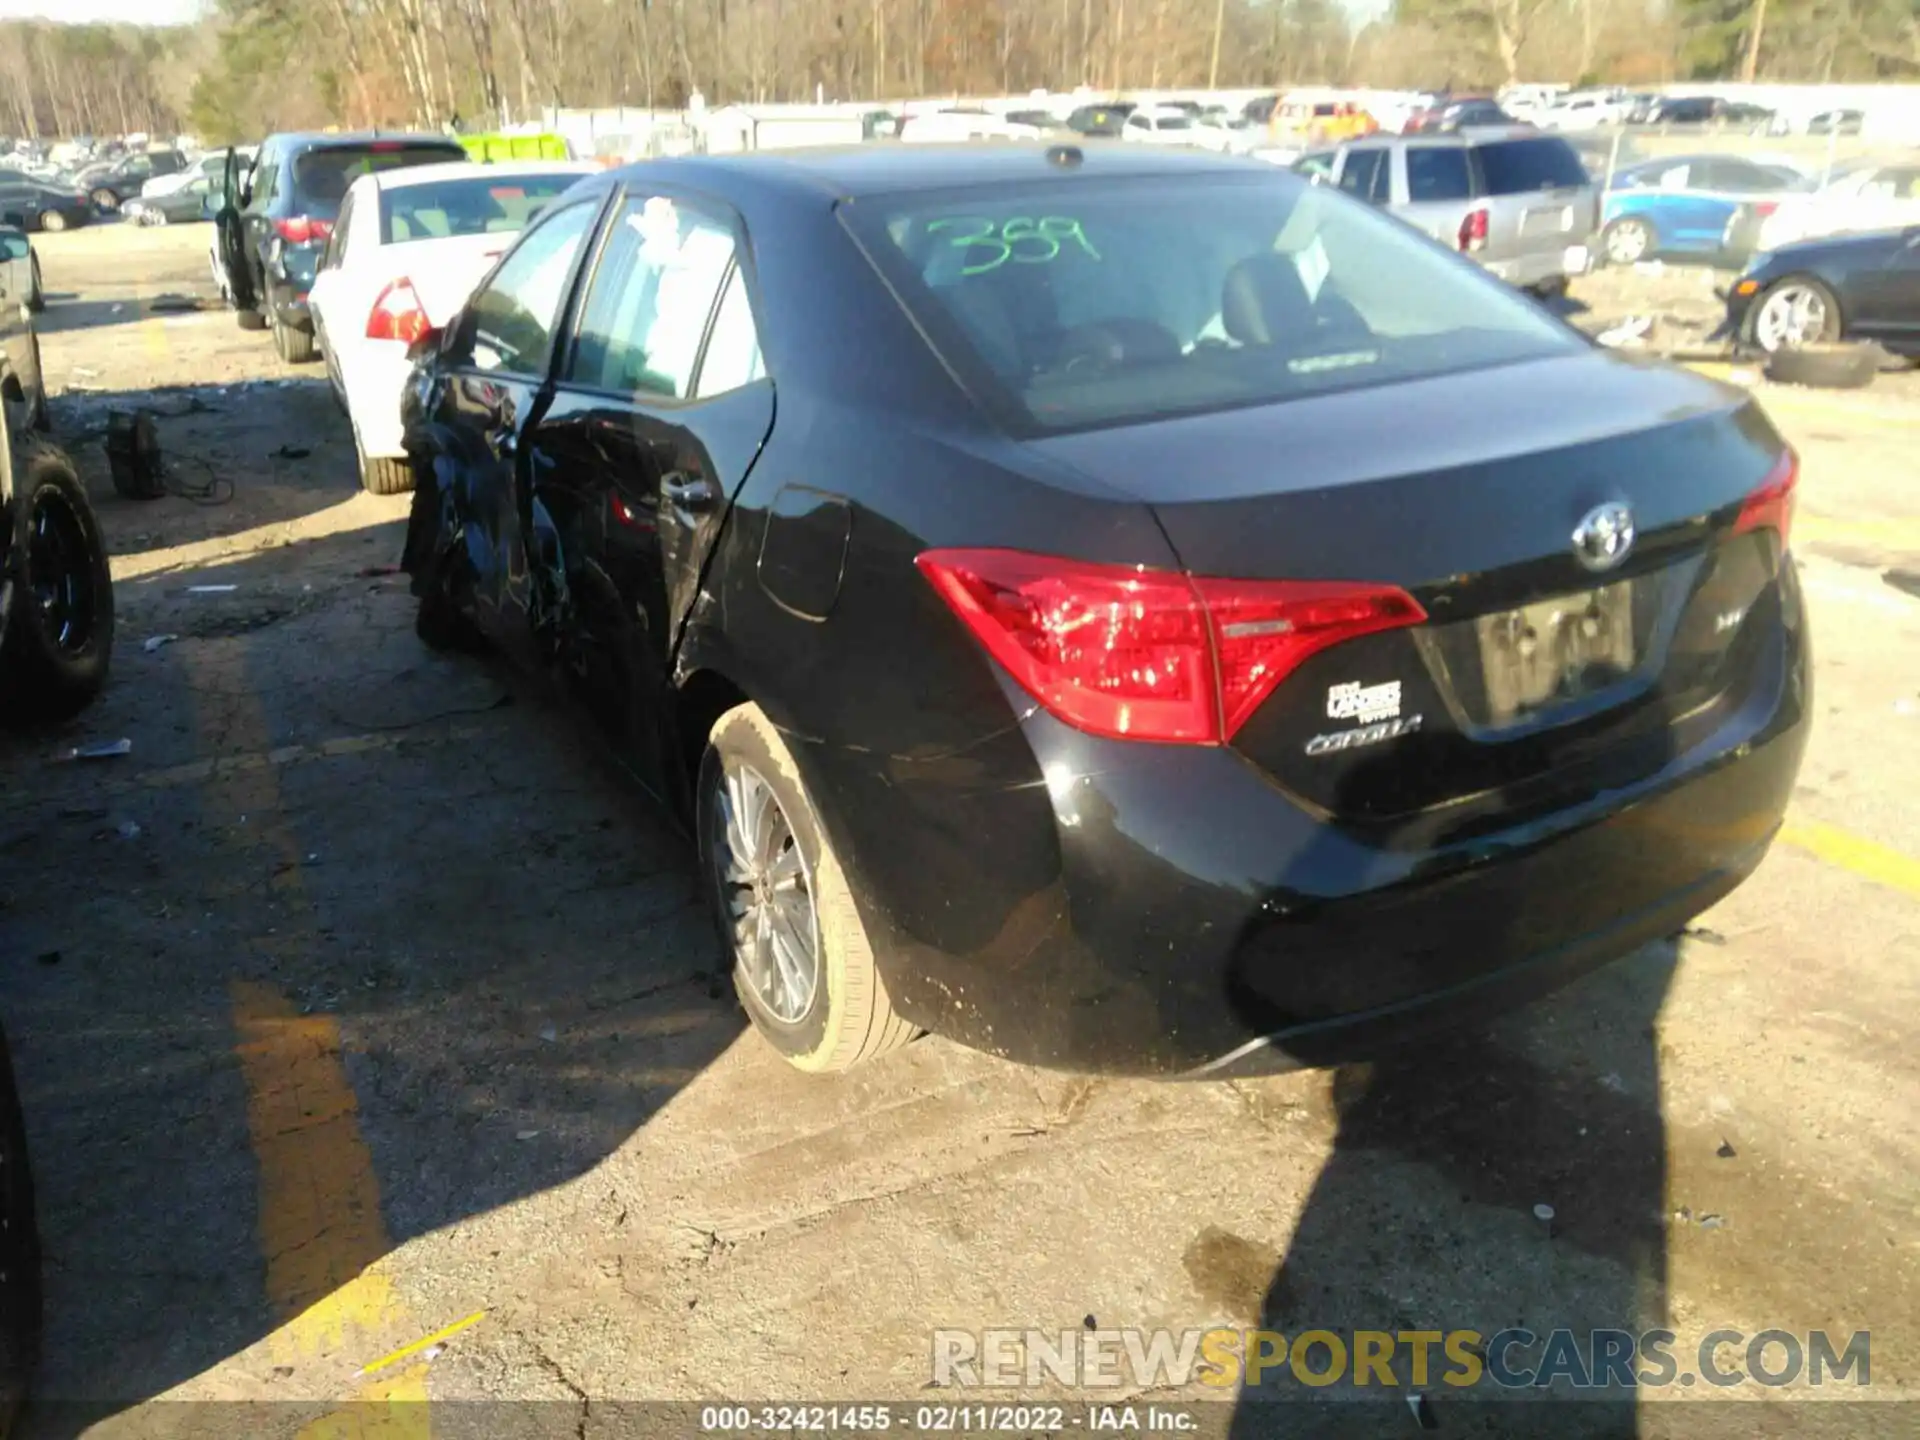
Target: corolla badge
1604,536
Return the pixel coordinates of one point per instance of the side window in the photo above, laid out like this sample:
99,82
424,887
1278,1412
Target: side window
342,233
1434,174
1364,175
653,291
509,326
1138,122
733,349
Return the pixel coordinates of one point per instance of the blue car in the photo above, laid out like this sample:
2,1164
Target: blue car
1684,205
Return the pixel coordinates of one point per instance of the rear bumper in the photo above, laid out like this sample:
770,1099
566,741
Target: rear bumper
374,375
1096,905
1524,271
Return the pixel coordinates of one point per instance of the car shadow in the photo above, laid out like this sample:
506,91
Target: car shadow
64,315
334,863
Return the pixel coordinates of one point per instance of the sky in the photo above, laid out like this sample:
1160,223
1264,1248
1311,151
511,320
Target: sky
141,12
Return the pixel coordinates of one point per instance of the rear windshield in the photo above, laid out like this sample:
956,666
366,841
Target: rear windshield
1514,167
321,175
1099,302
480,204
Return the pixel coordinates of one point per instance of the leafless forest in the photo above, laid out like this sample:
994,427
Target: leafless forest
252,66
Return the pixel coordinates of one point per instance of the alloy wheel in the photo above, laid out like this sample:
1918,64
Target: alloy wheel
1792,316
766,893
61,569
1627,243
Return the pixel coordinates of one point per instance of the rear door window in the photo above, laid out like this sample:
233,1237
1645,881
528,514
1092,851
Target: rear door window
1366,174
510,323
1517,167
653,293
1436,174
321,175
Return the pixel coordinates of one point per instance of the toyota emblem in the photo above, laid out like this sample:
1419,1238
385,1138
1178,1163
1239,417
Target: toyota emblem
1603,537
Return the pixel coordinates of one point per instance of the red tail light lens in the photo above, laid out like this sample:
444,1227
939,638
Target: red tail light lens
1473,231
1770,507
1151,654
1764,208
398,314
303,229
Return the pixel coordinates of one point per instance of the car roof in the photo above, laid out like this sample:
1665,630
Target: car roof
297,140
850,172
405,175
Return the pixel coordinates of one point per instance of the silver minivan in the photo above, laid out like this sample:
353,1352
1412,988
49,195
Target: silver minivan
1519,202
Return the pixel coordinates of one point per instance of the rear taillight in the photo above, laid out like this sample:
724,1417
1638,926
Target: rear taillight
1152,654
1473,231
1770,507
302,229
1764,208
398,314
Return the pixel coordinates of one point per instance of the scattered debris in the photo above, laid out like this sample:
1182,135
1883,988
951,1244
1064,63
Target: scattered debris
211,589
154,642
1612,1081
1091,1323
99,750
427,1347
172,304
1704,935
1634,330
526,1134
84,373
128,830
549,1034
1543,1212
1713,1222
370,571
1726,1150
1422,1412
292,452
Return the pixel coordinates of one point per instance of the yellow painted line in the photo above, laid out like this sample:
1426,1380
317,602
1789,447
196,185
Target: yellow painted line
320,1228
425,1342
1866,858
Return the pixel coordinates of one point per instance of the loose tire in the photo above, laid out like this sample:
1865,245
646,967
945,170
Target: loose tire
773,878
293,346
386,477
59,636
20,1295
250,319
1827,367
52,220
1627,241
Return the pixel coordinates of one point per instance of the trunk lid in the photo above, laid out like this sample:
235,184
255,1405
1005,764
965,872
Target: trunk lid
1533,675
445,270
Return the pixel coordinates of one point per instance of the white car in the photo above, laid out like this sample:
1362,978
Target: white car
1866,197
408,248
1170,125
1579,112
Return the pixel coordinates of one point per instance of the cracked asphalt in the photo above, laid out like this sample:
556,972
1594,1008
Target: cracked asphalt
361,1005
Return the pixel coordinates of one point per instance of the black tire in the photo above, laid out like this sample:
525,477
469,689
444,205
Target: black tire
36,297
1615,236
52,221
250,319
105,199
20,1294
385,476
292,345
53,663
850,1018
1826,367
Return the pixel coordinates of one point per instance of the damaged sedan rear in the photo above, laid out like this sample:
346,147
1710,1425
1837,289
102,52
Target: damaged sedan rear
1120,610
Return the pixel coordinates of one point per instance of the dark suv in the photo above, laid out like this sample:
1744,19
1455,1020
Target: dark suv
273,224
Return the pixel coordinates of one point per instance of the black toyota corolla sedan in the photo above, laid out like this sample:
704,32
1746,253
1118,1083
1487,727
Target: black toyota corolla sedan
1121,610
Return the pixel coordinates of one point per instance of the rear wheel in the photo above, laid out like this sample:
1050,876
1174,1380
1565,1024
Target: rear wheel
800,956
105,199
51,220
53,657
250,319
293,345
1627,242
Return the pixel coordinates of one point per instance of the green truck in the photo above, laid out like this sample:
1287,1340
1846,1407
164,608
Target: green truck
488,148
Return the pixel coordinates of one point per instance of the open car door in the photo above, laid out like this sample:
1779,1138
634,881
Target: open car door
230,237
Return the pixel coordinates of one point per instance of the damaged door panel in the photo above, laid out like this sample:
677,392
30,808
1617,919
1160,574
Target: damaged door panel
497,365
655,419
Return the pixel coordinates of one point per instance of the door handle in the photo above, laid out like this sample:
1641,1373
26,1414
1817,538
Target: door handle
688,494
